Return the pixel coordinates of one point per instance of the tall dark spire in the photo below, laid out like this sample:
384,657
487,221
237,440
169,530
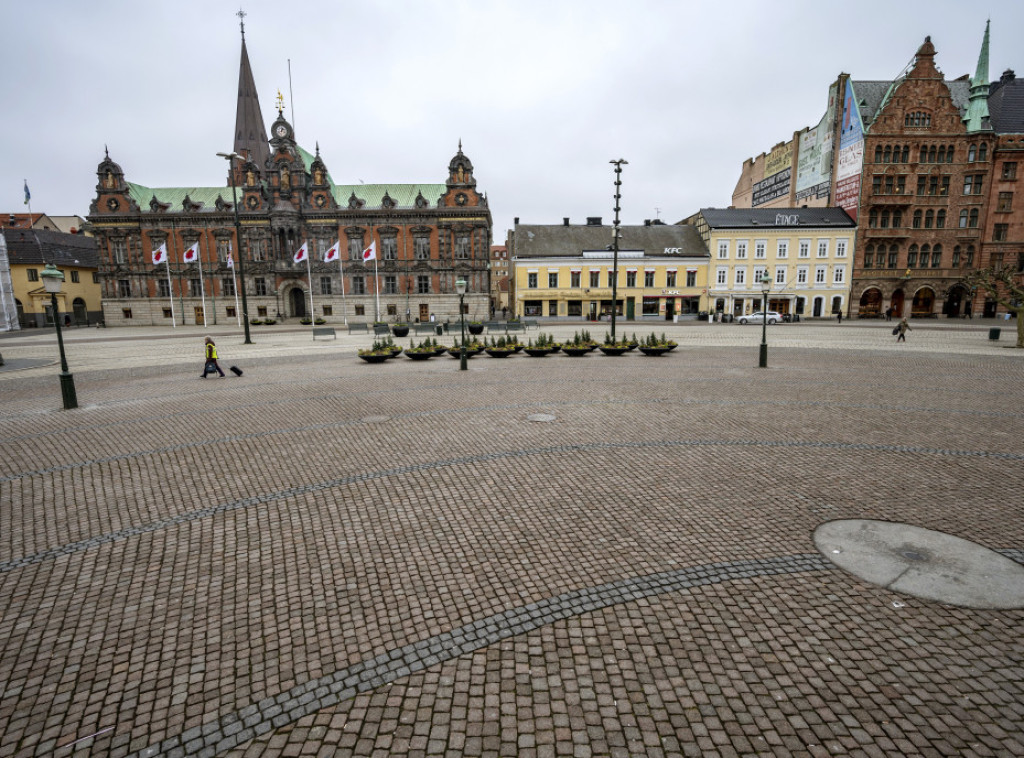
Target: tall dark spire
250,133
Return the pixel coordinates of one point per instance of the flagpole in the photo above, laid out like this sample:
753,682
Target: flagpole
202,284
170,291
309,275
341,267
234,284
376,282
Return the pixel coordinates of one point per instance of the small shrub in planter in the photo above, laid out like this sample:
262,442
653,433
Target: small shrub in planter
270,321
255,321
305,321
320,321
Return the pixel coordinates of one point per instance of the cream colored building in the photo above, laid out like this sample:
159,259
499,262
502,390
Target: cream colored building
565,271
806,252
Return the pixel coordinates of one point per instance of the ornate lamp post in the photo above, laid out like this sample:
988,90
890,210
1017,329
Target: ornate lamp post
52,280
230,158
615,239
766,288
460,287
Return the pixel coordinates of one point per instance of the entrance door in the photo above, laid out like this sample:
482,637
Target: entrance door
593,311
924,303
953,302
897,304
424,312
81,314
630,308
817,307
670,309
198,313
298,302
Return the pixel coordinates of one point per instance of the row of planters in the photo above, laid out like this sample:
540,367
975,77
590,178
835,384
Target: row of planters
263,321
503,347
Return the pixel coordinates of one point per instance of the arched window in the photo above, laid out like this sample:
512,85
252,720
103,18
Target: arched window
983,152
929,218
942,154
972,151
912,256
887,156
869,256
924,154
878,154
937,256
873,218
931,154
973,223
963,219
940,219
917,219
906,154
885,220
897,219
956,255
894,253
970,255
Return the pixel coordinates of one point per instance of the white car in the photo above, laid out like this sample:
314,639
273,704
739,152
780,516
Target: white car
756,316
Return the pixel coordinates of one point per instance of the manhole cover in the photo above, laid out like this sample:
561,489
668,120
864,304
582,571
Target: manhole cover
376,419
923,563
542,417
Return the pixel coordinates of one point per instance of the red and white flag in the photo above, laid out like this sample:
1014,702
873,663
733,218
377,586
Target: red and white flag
370,253
302,254
231,262
160,254
334,253
192,254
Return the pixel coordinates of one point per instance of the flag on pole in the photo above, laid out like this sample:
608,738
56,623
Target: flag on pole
370,253
160,254
334,253
231,262
28,195
303,253
192,254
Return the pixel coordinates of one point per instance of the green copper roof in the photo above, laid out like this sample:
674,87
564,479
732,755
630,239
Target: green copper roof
977,108
174,196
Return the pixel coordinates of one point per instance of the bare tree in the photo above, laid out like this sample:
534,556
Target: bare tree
1005,286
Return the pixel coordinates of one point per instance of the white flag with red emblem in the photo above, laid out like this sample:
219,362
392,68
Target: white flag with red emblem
160,254
302,254
334,253
192,254
370,253
231,262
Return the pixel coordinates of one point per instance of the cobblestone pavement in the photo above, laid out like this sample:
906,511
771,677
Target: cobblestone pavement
324,557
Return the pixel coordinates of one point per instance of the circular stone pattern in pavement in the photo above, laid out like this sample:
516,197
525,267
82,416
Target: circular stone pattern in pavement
541,417
923,563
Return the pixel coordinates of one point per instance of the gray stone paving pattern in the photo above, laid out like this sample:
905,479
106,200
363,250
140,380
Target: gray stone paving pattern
329,558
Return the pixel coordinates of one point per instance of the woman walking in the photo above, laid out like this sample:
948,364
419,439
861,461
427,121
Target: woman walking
902,330
211,364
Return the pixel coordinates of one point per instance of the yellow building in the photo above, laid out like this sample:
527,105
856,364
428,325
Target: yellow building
566,272
28,251
807,254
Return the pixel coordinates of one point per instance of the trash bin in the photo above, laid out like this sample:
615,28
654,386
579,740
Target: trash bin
438,330
993,334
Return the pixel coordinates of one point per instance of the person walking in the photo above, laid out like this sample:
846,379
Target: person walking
902,330
839,316
888,313
211,364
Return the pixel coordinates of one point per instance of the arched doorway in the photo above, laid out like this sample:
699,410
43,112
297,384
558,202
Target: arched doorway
923,304
819,306
297,302
837,304
954,301
870,303
80,311
896,302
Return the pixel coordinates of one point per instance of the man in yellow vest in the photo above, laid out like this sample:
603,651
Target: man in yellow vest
211,360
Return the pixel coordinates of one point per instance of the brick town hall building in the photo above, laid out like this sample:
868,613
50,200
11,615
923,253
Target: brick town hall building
427,236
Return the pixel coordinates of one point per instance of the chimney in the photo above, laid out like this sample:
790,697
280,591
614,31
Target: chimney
593,221
565,221
647,222
1008,76
516,221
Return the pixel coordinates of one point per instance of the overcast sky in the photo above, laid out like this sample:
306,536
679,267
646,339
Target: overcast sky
542,93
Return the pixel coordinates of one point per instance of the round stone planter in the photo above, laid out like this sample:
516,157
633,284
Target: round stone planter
419,355
536,352
654,350
575,352
496,352
475,328
375,357
396,351
400,331
612,350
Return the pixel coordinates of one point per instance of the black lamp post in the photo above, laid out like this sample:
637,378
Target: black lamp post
460,287
52,280
615,239
230,158
766,289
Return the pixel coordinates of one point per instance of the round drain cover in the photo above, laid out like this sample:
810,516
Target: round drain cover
544,417
923,563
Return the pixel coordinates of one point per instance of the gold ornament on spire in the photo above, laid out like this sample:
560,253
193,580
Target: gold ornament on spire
280,103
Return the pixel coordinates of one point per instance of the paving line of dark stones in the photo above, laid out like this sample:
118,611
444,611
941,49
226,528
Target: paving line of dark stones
474,409
183,518
307,698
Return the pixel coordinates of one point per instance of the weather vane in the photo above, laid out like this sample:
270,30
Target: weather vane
241,15
280,103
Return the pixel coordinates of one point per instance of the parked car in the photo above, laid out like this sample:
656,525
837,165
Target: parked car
757,316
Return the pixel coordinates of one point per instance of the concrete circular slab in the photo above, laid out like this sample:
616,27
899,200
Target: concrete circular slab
923,563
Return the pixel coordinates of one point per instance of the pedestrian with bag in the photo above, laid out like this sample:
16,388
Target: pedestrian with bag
211,364
901,331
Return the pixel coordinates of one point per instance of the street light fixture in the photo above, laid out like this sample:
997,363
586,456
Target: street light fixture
766,288
53,278
230,158
460,287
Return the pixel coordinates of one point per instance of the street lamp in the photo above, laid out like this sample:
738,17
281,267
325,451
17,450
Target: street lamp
230,158
615,239
460,287
52,280
766,288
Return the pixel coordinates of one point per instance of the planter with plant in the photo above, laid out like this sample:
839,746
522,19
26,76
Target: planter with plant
654,345
475,327
499,348
617,347
421,352
400,329
378,353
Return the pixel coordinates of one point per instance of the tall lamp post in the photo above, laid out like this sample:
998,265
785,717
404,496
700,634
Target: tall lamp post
615,239
53,278
460,287
766,288
230,158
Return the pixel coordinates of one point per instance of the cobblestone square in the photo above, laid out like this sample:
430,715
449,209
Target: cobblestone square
325,557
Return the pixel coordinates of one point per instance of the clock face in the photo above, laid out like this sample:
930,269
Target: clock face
113,204
252,202
281,130
461,198
320,200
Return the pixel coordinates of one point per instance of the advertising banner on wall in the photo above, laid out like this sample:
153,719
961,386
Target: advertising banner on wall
851,155
778,172
814,166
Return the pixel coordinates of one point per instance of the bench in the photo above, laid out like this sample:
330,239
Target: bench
426,328
381,329
324,331
353,328
515,326
528,322
493,326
